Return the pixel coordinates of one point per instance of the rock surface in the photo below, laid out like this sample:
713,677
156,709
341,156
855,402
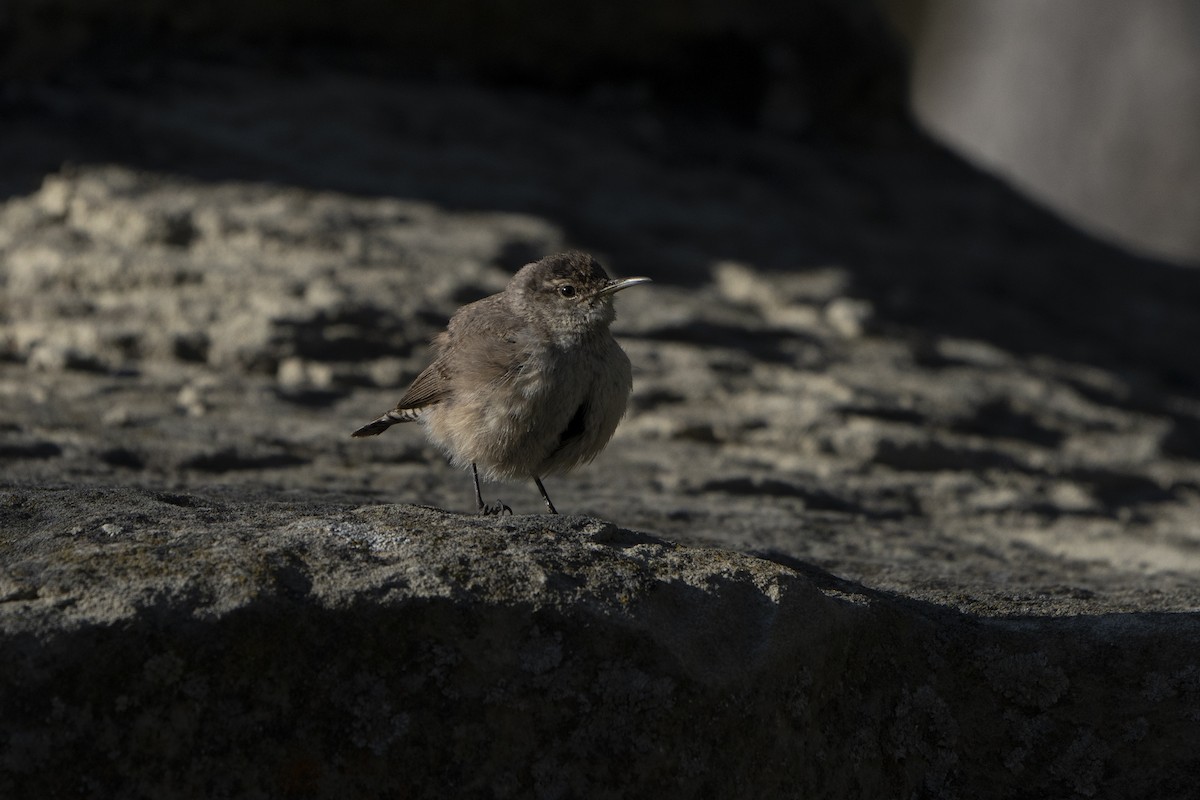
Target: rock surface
875,364
168,644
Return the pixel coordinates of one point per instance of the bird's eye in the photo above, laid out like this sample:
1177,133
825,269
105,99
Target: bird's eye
567,291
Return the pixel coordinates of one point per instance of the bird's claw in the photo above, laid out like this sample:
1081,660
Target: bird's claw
497,508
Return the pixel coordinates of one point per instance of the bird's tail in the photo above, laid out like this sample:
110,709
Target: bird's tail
386,421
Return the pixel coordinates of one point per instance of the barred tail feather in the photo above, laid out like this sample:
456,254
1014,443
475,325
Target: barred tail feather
389,419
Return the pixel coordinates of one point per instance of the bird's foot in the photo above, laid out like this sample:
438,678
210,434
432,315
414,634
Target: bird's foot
494,509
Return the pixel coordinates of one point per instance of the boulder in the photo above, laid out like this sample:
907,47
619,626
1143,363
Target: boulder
176,644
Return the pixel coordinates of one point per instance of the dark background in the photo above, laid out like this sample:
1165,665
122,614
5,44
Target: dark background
831,77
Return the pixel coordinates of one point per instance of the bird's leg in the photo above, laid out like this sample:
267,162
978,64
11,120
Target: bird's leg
545,496
478,494
480,506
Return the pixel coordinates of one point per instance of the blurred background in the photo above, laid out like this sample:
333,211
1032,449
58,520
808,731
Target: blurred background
1092,107
1089,106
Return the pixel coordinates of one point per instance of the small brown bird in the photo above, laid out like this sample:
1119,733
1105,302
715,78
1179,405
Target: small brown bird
528,382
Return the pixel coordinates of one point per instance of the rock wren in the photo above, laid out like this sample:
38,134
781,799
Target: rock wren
528,382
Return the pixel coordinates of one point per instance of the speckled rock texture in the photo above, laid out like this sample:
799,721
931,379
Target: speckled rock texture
168,644
906,504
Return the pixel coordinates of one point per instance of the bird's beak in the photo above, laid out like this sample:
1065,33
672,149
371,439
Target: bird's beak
624,283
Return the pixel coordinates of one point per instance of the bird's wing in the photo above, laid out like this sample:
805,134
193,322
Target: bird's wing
431,386
477,348
488,345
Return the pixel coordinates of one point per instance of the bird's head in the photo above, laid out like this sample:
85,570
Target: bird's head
569,293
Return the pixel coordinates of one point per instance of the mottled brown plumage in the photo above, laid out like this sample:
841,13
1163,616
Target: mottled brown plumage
528,382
